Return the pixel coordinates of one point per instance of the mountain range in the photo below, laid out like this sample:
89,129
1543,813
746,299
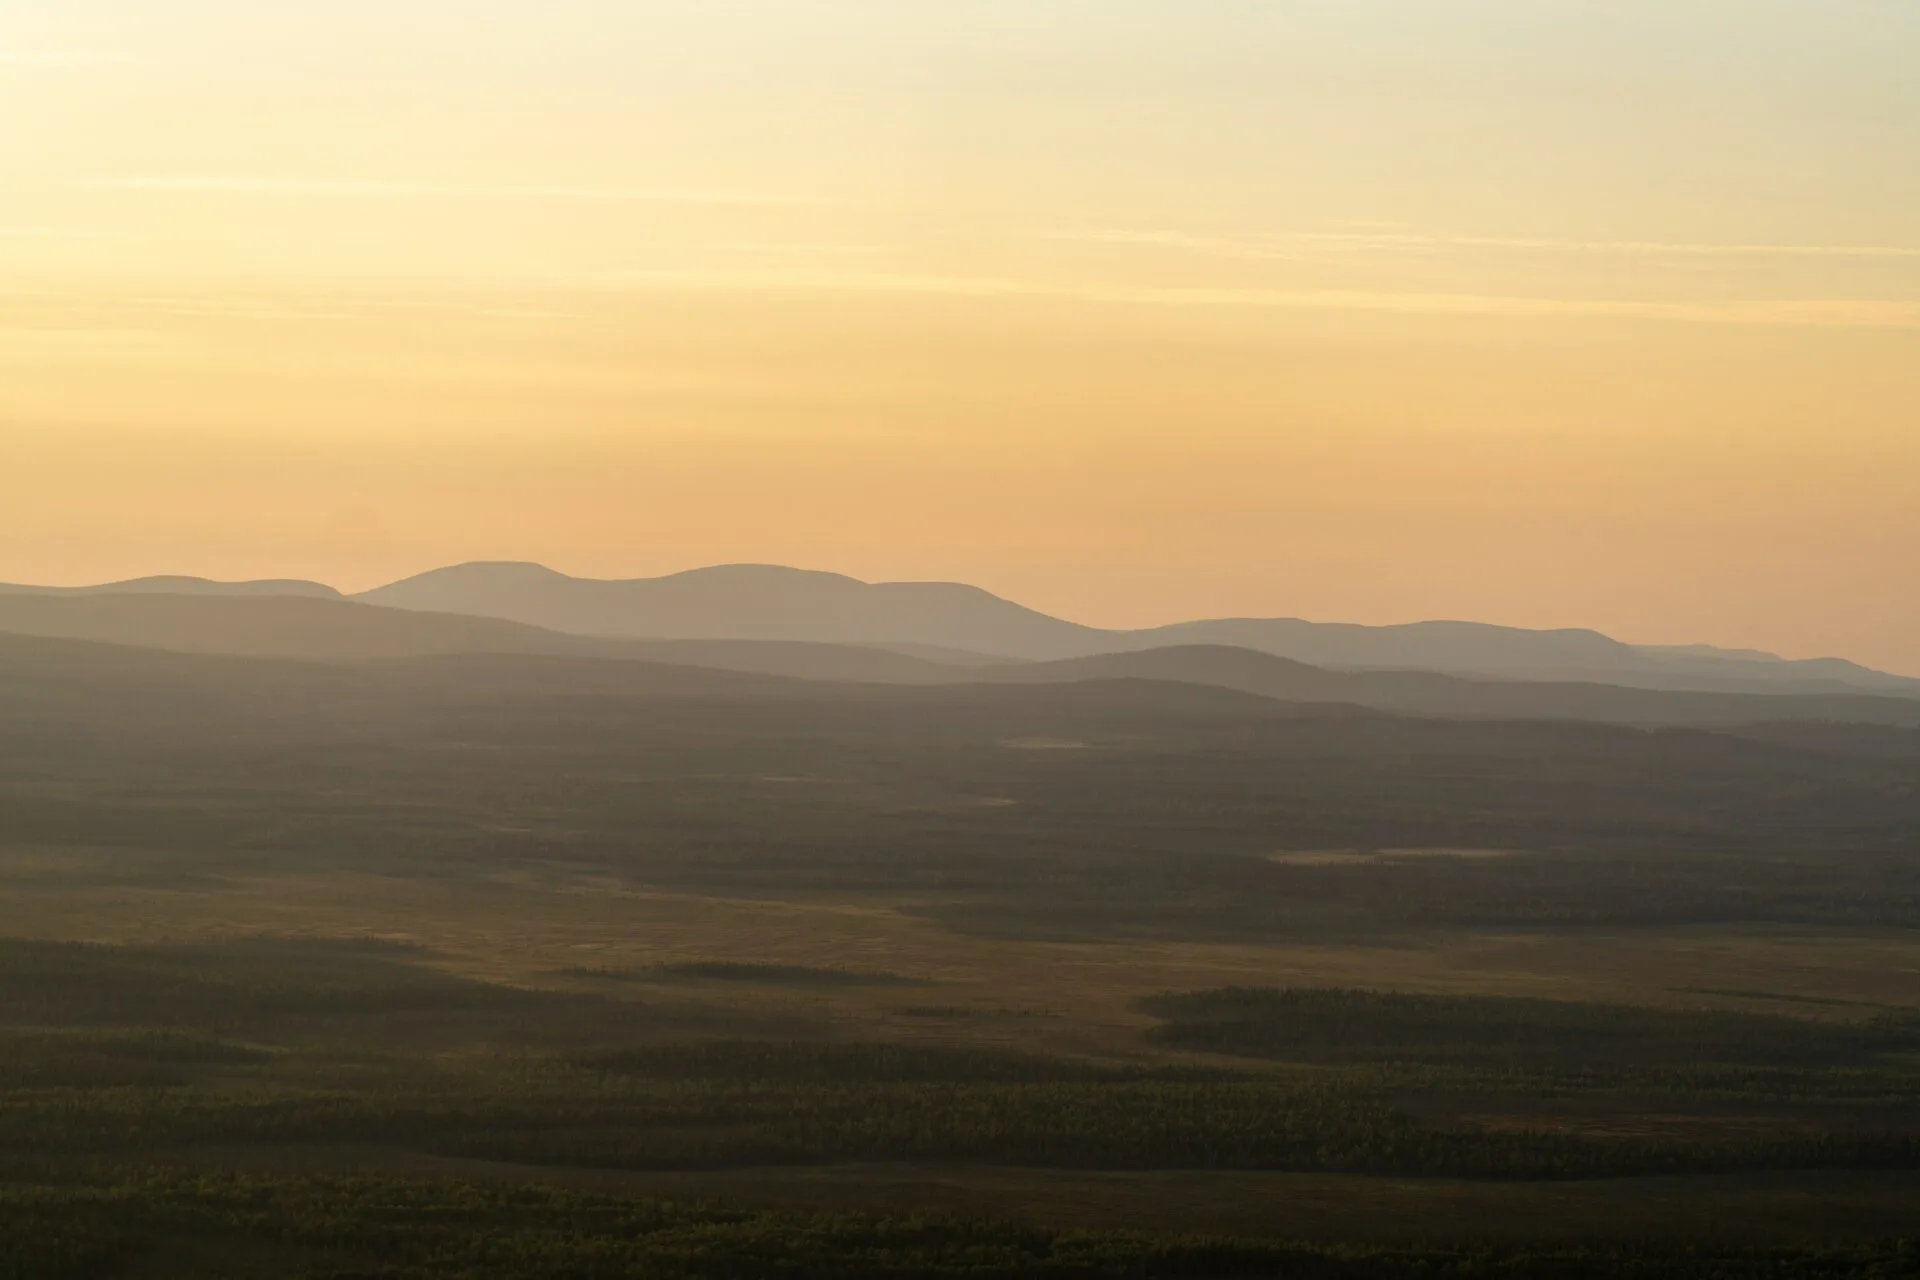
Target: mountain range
771,621
955,621
183,586
767,602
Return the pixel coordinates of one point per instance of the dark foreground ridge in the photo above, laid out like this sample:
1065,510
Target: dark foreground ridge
184,1227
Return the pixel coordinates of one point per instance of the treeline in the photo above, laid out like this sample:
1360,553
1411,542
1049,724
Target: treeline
114,1060
773,975
1347,1026
174,1226
229,986
118,1051
1111,1125
842,1063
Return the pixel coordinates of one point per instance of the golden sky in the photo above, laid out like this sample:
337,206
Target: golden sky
1543,312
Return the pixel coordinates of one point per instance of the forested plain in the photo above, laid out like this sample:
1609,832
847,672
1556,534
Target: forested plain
512,966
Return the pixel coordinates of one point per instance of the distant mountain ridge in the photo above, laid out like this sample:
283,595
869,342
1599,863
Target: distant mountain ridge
745,602
175,585
334,633
345,632
952,624
1433,693
769,602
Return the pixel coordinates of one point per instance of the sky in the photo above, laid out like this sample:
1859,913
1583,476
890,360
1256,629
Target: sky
1537,312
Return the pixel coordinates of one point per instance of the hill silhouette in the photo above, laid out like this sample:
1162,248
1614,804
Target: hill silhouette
1170,770
276,627
767,602
341,631
175,585
1428,693
829,626
745,602
60,687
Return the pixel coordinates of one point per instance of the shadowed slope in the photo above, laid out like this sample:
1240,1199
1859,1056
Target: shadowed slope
336,631
1433,694
324,630
282,627
57,690
172,585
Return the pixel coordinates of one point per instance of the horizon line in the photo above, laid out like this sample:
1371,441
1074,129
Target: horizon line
1734,652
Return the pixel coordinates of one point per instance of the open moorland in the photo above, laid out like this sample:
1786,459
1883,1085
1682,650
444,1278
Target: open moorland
557,964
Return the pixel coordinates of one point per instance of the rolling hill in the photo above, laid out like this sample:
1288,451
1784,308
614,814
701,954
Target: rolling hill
827,626
337,630
766,602
1426,693
340,631
173,585
745,602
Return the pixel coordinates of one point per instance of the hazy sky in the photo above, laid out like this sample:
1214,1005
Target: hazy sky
1535,311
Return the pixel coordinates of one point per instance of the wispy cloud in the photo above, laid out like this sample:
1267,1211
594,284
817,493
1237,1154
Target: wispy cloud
1642,247
36,345
1299,245
1185,242
1823,313
61,58
254,311
327,188
839,282
52,233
